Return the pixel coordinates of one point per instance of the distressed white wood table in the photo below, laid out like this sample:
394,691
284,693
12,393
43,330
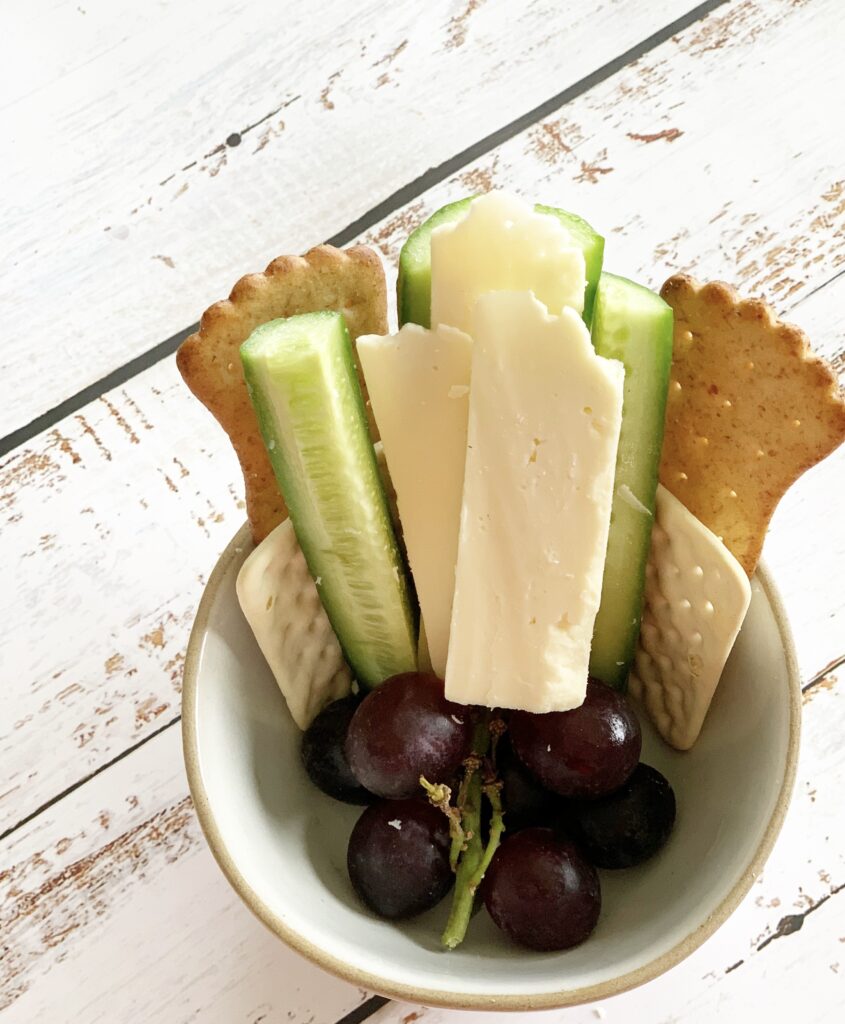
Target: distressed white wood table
153,152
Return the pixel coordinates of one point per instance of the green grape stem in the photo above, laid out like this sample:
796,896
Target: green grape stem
439,796
474,857
493,792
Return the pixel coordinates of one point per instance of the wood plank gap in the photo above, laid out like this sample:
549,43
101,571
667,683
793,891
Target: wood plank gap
397,199
365,1010
795,922
87,778
823,673
93,391
818,288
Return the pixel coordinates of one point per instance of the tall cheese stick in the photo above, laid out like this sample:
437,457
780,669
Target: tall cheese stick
544,420
418,383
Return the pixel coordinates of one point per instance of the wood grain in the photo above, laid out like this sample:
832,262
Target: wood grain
186,143
686,163
137,494
112,909
136,516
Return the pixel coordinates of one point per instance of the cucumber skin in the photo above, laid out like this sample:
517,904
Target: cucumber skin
617,624
413,284
356,652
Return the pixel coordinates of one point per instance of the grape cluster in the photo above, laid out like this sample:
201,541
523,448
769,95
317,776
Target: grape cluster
575,795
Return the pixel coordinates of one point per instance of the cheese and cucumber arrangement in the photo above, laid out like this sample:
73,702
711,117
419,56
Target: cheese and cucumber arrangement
488,541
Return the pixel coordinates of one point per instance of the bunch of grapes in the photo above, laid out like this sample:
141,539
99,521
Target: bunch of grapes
568,788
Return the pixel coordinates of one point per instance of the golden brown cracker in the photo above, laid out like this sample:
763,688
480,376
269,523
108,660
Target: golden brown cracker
750,408
350,281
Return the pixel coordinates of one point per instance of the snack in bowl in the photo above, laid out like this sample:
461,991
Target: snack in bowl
521,410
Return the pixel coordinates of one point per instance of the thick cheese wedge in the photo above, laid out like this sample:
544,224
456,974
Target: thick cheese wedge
696,597
503,244
282,606
544,419
418,383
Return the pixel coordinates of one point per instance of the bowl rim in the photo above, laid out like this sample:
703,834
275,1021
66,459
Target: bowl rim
461,1000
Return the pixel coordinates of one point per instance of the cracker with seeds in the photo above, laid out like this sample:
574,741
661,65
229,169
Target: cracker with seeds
350,281
750,408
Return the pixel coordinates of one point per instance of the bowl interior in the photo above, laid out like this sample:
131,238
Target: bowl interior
282,843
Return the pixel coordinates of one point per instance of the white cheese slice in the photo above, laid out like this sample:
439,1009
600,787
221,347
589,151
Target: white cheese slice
418,383
423,656
503,244
544,419
696,597
282,606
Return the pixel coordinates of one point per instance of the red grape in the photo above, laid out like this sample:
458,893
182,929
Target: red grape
584,753
541,892
404,729
526,802
627,826
323,754
398,857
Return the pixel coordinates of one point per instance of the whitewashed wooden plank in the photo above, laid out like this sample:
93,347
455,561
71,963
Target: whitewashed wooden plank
140,515
780,956
138,493
113,911
153,152
652,156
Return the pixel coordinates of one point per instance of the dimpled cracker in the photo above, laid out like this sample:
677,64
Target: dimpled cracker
281,602
750,408
696,597
350,281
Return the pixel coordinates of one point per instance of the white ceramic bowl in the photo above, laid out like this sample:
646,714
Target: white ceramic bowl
282,843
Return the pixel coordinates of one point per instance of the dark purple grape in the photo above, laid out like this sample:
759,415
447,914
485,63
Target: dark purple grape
583,753
323,753
398,857
525,801
627,826
404,729
541,892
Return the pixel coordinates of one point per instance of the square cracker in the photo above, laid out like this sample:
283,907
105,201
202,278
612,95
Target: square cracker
350,281
750,408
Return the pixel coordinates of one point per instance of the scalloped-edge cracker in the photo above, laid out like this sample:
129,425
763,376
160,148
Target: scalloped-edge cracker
350,281
750,409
